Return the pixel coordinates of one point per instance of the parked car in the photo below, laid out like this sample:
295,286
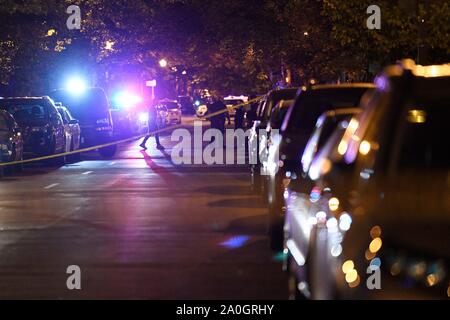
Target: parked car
284,158
91,108
40,123
72,131
263,114
378,214
169,112
232,101
11,143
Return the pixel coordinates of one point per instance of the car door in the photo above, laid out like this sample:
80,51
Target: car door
74,130
59,132
16,136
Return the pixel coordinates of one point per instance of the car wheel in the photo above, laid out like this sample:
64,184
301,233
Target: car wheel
108,152
57,161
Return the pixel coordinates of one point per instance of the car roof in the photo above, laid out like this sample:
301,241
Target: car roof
337,112
367,85
24,98
419,82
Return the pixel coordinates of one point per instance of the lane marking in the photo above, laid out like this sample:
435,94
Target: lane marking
51,186
112,163
87,172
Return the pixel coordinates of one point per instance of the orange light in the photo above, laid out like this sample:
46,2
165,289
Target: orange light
375,232
342,148
396,269
51,32
369,255
375,245
333,204
347,266
351,276
364,147
355,283
431,280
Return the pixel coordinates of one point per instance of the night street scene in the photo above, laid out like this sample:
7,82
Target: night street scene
237,150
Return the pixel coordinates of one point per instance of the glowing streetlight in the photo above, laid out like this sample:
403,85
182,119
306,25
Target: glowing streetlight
163,63
109,45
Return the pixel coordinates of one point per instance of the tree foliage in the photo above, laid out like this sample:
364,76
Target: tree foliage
231,46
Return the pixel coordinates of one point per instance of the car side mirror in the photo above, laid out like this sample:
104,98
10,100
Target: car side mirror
73,121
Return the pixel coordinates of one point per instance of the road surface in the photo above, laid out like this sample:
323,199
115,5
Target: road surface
138,227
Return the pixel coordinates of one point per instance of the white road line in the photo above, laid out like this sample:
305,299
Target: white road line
87,172
51,186
112,163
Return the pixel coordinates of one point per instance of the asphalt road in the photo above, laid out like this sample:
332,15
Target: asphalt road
138,227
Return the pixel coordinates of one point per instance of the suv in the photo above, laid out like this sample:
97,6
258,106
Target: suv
263,115
91,108
40,123
380,204
284,158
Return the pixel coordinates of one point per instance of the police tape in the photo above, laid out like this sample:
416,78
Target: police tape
113,143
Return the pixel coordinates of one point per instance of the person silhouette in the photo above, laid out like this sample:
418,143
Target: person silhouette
152,127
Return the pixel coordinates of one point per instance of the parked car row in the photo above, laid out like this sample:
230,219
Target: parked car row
33,127
357,185
38,125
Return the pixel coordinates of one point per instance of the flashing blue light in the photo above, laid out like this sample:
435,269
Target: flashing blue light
235,242
127,100
375,263
76,85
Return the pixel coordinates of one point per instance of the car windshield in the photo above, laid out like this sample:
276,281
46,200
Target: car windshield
275,97
421,145
170,105
311,104
328,128
27,112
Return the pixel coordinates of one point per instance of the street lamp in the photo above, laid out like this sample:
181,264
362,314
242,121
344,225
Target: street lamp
163,63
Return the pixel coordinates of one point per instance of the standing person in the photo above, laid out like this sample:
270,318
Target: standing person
152,126
239,118
251,113
218,120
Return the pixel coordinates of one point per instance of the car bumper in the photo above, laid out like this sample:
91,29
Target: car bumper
91,136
